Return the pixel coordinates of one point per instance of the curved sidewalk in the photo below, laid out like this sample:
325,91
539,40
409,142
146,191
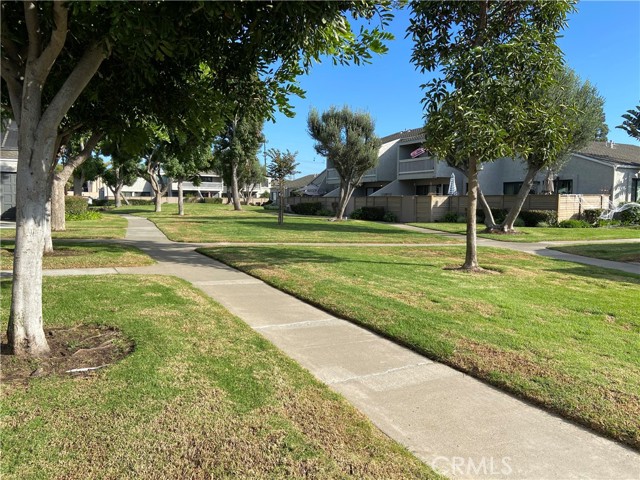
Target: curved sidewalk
459,425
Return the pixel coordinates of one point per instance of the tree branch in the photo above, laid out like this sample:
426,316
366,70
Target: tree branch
58,37
9,48
14,87
33,30
79,159
73,86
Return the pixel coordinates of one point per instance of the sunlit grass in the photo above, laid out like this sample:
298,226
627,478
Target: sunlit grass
561,334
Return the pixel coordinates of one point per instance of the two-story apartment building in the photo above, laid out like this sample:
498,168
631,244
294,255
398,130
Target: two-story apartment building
599,168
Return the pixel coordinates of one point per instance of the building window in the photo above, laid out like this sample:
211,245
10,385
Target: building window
371,190
512,188
563,186
422,189
635,189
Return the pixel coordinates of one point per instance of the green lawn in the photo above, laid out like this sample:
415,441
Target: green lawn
618,252
68,254
109,226
560,334
209,223
542,234
201,396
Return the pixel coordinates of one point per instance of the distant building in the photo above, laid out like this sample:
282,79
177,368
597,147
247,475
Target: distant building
602,168
8,171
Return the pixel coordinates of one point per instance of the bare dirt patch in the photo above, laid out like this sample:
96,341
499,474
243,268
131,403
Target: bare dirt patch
79,350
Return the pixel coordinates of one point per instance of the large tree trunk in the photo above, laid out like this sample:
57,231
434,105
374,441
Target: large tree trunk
117,191
489,221
346,190
281,202
471,256
77,185
234,186
180,198
157,201
507,224
61,178
37,143
48,241
58,223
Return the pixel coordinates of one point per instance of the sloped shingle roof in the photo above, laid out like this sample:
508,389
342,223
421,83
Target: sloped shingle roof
619,153
300,182
412,134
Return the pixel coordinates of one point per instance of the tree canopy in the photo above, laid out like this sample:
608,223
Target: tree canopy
489,56
348,141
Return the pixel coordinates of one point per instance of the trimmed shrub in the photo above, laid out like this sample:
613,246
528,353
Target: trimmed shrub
374,214
270,206
451,217
75,205
214,200
390,217
531,218
630,216
592,216
519,223
574,224
499,214
88,215
139,201
324,212
608,223
103,203
542,225
356,214
307,208
461,219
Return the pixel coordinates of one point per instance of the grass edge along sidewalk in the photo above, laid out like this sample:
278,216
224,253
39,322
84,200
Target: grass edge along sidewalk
541,328
540,234
200,394
617,252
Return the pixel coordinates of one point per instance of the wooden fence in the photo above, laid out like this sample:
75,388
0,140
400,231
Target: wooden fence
431,208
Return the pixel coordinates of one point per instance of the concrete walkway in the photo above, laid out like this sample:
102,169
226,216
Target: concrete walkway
459,425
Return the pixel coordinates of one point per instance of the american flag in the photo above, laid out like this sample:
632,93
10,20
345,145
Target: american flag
417,152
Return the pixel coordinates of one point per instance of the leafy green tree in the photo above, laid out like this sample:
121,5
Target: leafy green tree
90,170
631,123
570,114
192,156
48,61
123,170
348,140
281,166
489,56
236,149
253,174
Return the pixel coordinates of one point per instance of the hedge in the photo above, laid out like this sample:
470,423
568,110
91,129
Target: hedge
75,205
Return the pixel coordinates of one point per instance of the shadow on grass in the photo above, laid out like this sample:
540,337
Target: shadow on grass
254,258
598,273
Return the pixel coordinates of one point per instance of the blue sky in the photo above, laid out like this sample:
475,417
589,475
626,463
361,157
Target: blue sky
601,43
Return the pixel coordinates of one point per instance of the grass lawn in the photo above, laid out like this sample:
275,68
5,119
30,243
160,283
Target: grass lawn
618,252
82,255
542,234
560,334
201,396
109,226
210,223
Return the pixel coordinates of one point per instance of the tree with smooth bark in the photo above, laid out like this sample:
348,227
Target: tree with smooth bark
90,170
191,157
253,174
236,148
348,141
281,166
489,54
123,170
47,62
568,116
